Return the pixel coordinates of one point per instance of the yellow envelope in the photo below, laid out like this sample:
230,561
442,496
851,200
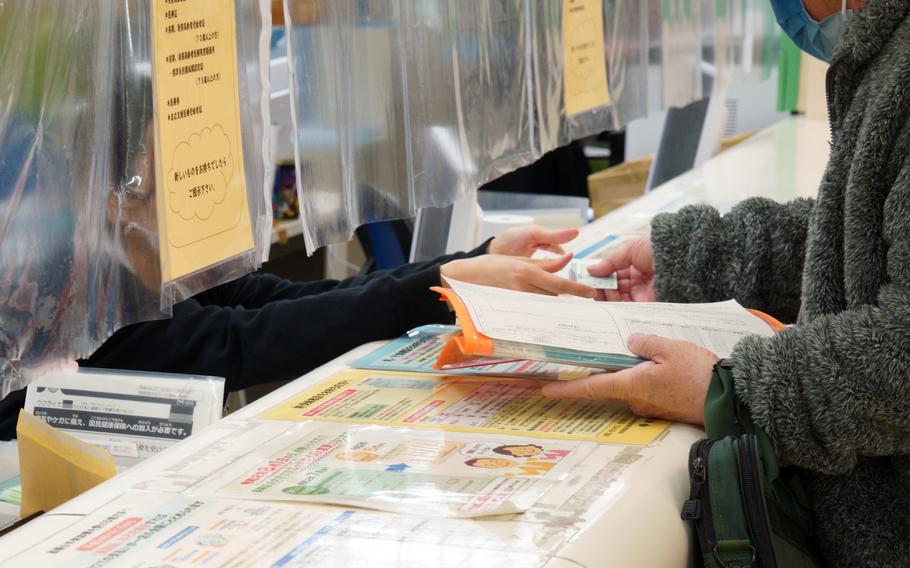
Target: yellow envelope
54,467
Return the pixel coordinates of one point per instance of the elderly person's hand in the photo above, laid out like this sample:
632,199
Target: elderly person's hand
634,268
524,241
516,273
672,384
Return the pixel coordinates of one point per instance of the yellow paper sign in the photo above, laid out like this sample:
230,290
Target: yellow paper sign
54,467
498,406
203,212
583,48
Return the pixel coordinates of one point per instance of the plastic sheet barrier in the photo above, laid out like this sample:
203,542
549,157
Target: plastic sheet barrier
98,229
400,105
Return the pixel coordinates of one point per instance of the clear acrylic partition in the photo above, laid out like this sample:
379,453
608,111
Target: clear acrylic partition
78,224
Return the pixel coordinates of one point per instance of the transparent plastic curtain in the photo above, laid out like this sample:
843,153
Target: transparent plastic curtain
349,110
78,224
401,104
441,167
626,56
491,46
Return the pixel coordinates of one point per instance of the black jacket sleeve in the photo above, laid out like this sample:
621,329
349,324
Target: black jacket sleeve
261,328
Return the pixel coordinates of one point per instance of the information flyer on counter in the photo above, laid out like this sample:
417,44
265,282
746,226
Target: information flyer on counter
145,530
497,406
399,469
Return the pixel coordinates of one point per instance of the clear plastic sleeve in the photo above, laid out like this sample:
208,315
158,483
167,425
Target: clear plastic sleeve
424,472
79,254
133,415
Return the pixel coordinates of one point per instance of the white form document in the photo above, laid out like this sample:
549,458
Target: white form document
603,327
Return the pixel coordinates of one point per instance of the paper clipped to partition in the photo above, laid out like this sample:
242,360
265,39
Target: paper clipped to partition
583,53
203,211
498,322
54,467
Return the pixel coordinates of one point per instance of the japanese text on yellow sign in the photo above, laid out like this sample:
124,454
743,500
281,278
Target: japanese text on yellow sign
202,201
583,49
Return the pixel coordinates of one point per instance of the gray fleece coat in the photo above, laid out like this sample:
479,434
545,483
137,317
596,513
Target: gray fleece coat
833,391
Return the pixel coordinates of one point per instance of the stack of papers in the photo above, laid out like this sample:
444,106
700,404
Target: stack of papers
420,349
574,331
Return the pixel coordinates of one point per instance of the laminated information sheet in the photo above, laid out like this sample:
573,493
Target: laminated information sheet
401,470
144,530
132,415
503,406
201,185
419,350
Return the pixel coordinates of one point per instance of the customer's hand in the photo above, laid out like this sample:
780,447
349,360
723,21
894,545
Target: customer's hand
516,273
672,384
634,268
524,241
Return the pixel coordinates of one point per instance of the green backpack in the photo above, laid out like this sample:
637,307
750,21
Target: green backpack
746,510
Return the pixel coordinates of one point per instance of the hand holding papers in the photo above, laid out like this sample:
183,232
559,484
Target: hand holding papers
516,273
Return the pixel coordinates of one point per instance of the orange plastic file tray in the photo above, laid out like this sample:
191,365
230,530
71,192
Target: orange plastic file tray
470,343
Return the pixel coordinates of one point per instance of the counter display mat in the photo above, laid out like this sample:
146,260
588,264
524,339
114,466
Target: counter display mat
149,529
464,404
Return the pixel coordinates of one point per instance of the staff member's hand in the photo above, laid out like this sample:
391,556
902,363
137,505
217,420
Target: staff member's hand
672,384
516,273
524,241
634,268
